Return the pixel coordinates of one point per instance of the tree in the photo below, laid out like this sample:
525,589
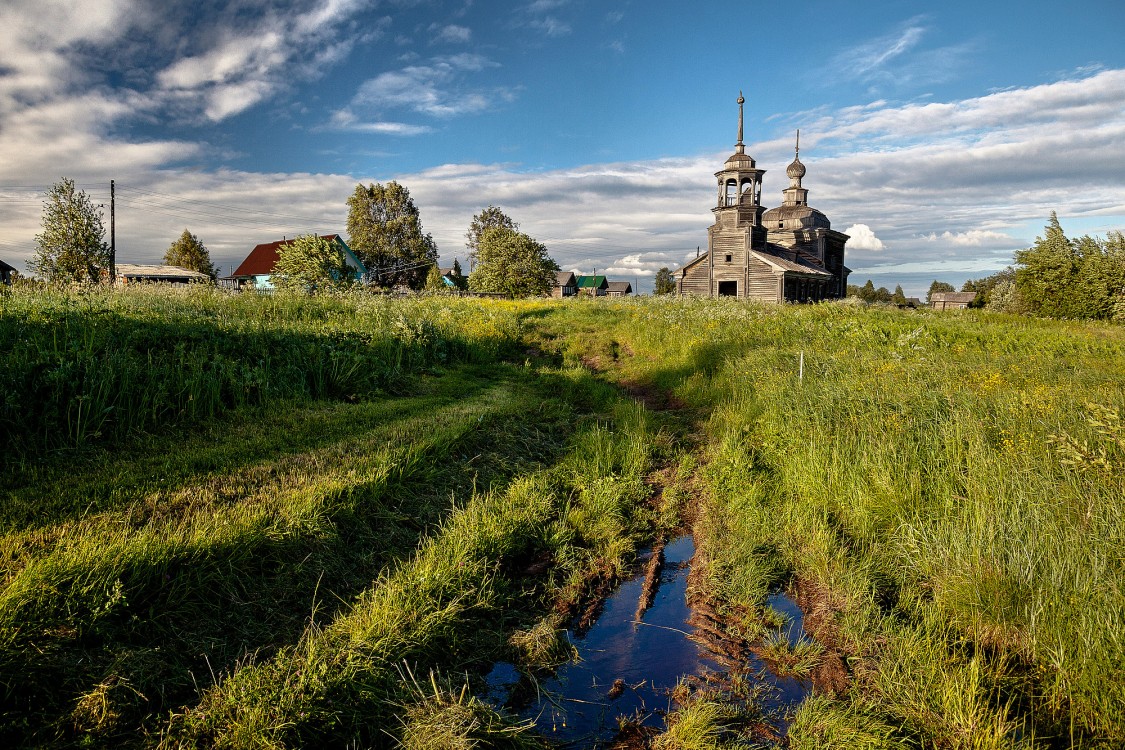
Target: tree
434,280
1004,296
984,287
1045,273
899,297
188,252
385,232
489,218
938,286
510,262
72,245
458,277
665,282
867,292
311,263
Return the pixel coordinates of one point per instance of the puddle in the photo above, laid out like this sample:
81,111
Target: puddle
574,708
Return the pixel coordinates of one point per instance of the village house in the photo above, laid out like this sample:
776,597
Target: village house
952,300
595,286
618,289
256,269
6,273
786,254
566,284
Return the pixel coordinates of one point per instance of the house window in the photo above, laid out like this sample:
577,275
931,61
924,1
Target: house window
729,257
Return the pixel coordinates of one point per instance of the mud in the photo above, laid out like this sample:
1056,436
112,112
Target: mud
651,580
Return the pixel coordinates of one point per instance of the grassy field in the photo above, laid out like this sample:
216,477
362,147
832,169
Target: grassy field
244,521
947,487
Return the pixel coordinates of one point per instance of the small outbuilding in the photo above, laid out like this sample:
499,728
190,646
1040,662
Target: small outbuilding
952,300
139,273
619,289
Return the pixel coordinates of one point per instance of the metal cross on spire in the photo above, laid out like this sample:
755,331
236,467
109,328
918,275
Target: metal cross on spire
739,146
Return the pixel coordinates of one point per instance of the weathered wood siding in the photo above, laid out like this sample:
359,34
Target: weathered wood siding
763,283
696,280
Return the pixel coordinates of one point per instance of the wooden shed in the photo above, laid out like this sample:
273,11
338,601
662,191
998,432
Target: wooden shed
139,273
951,300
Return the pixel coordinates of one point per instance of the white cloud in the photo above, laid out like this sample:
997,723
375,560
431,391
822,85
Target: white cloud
541,6
551,26
246,65
430,89
973,238
862,238
452,34
951,187
897,59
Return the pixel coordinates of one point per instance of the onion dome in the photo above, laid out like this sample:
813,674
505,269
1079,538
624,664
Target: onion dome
796,170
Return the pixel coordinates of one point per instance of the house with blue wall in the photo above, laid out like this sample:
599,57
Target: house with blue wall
259,265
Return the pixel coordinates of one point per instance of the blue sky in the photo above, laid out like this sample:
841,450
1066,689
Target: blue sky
940,138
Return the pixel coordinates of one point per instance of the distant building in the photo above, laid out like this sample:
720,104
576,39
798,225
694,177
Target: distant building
566,284
6,273
137,273
619,289
951,300
595,286
258,266
786,254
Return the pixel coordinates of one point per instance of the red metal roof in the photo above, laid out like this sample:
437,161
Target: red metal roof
263,258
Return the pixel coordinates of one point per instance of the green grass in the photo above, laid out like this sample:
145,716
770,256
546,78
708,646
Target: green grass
952,482
244,521
94,366
153,571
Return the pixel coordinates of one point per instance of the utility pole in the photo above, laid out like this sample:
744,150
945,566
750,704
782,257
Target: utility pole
112,236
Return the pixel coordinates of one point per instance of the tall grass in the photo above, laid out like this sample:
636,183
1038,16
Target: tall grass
342,682
262,569
951,482
95,365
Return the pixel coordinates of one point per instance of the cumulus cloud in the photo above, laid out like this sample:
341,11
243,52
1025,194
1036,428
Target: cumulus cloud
245,64
972,238
862,238
951,187
435,89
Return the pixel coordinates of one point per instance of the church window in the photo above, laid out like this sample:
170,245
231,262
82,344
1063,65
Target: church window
729,258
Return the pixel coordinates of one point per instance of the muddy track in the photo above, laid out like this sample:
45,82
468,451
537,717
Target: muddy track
713,629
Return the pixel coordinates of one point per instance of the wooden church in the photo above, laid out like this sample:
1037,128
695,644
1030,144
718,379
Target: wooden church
786,254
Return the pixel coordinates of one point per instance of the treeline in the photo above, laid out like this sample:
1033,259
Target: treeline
384,233
1060,277
868,293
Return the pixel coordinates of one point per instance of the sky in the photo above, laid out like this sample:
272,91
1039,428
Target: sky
938,136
